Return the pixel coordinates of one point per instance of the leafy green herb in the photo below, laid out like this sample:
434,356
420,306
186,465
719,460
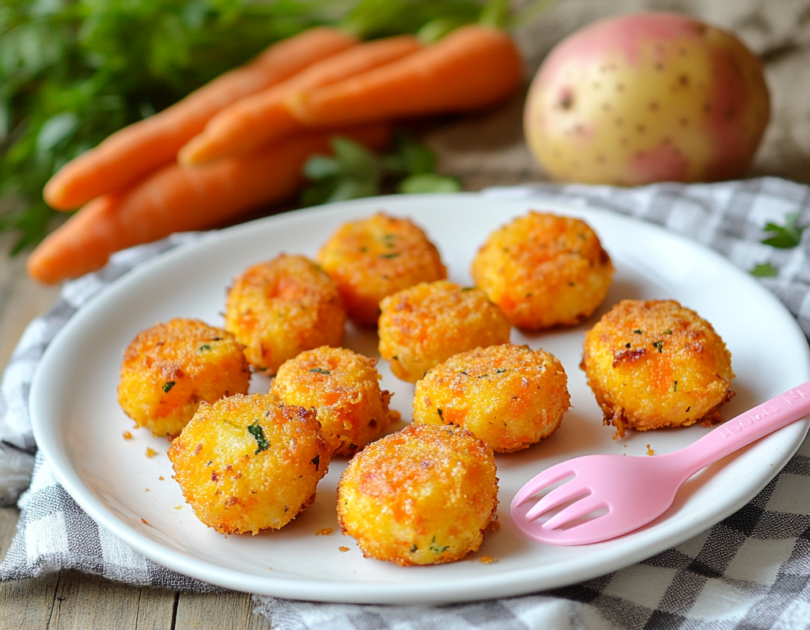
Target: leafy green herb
428,183
440,412
355,172
391,255
659,345
785,236
675,386
316,461
638,331
320,371
436,548
764,270
258,434
203,348
667,332
167,386
414,548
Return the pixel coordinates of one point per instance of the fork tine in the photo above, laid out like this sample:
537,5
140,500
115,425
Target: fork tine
547,478
563,494
575,511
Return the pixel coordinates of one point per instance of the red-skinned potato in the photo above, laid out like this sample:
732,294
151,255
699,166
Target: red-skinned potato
644,98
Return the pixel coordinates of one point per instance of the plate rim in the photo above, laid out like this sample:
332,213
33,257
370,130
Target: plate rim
498,585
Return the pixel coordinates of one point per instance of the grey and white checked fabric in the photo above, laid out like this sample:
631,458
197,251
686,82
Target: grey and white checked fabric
750,571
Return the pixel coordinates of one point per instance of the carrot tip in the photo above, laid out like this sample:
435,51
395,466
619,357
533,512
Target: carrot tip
296,103
190,154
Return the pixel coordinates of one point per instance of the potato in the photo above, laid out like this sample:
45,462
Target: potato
343,388
644,98
508,395
169,369
423,495
654,363
427,323
281,307
248,463
372,258
544,270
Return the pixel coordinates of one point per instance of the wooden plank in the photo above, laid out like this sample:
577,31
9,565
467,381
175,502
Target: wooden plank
21,299
215,611
8,527
24,604
114,605
27,604
156,609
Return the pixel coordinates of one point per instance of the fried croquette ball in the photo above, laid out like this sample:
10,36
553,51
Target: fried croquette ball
423,495
170,368
654,364
372,258
343,387
248,463
282,307
544,270
427,323
508,395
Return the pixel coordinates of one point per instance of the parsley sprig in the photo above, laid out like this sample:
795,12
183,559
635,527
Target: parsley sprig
764,270
785,236
356,172
257,432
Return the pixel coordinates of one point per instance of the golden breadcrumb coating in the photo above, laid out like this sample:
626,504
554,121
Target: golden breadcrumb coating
423,495
544,270
282,307
343,387
654,363
170,368
427,323
508,395
372,258
248,463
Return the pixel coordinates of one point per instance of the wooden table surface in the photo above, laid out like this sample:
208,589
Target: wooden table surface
482,150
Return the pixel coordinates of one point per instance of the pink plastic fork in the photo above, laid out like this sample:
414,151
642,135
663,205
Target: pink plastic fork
612,495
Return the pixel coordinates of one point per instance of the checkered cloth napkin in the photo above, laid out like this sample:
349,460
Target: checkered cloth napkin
750,571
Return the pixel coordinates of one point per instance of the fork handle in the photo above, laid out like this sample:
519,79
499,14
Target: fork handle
755,423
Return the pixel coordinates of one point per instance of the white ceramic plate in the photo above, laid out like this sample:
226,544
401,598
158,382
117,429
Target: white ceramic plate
79,425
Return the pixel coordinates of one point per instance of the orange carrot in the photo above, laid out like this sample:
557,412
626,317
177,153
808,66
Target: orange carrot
178,199
135,151
471,68
262,118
